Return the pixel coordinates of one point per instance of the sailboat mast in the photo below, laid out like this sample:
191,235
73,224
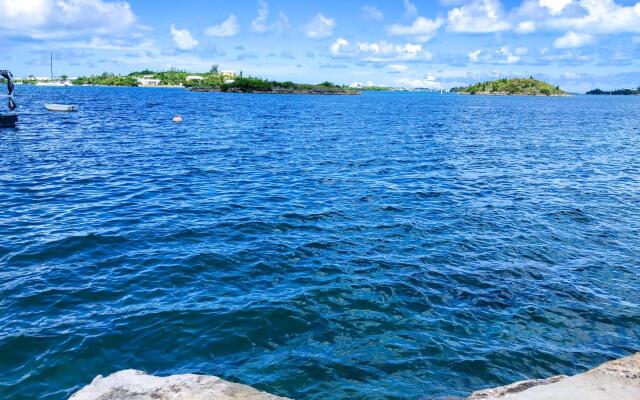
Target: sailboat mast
51,64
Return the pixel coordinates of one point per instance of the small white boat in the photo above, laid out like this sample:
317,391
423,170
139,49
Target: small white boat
60,107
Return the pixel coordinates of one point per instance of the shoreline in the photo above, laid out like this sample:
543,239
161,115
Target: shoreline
513,94
280,91
613,380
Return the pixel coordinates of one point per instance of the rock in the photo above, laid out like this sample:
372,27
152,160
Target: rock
136,385
615,380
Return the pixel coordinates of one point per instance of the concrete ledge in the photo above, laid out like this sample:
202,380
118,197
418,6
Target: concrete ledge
136,385
615,380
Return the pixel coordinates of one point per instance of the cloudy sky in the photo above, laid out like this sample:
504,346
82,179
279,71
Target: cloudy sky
578,44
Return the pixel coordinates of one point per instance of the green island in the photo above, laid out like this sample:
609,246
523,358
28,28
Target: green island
512,87
106,79
257,85
213,81
617,92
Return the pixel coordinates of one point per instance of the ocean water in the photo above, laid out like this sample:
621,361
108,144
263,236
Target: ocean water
385,246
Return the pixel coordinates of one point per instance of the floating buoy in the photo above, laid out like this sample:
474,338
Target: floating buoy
177,118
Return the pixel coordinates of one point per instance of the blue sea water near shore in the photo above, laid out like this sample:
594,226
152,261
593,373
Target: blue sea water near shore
384,246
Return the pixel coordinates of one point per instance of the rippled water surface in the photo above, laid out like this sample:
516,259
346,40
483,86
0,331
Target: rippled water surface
385,246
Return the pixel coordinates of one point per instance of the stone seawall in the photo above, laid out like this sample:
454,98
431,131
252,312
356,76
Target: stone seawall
136,385
615,380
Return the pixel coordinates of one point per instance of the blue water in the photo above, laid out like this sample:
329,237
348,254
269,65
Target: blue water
385,246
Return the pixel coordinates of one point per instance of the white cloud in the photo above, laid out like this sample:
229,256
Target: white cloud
381,51
526,27
572,40
365,84
43,19
372,13
320,27
502,55
227,28
183,38
282,23
101,43
479,16
261,22
337,47
429,81
424,29
555,6
521,51
398,68
602,16
410,9
584,16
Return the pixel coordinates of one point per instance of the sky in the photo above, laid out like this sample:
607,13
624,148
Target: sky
576,44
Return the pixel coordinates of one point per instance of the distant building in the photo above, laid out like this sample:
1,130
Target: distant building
227,75
191,78
148,80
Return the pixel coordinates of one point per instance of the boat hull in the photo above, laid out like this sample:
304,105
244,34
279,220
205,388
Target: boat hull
61,107
8,121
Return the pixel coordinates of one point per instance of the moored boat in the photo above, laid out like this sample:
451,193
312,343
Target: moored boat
60,107
9,120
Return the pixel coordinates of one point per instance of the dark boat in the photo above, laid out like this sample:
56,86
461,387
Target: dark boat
9,120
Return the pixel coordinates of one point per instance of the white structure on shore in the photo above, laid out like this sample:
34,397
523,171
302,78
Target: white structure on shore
192,78
225,75
148,80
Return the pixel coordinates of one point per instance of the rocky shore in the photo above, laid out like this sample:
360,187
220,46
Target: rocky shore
515,94
615,380
136,385
328,92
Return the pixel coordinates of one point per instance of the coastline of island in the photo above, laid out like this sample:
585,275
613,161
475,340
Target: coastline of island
616,92
512,87
214,81
230,82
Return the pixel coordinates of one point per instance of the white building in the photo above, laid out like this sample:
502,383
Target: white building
227,75
191,78
147,80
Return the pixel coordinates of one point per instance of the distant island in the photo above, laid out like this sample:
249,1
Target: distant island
512,87
257,85
214,81
617,92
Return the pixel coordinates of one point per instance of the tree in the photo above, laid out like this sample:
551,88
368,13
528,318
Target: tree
214,69
64,77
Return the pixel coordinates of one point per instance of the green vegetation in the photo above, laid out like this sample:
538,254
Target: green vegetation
179,78
213,81
106,79
257,85
166,78
516,86
375,88
618,92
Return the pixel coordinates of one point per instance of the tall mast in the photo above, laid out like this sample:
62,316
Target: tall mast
51,64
